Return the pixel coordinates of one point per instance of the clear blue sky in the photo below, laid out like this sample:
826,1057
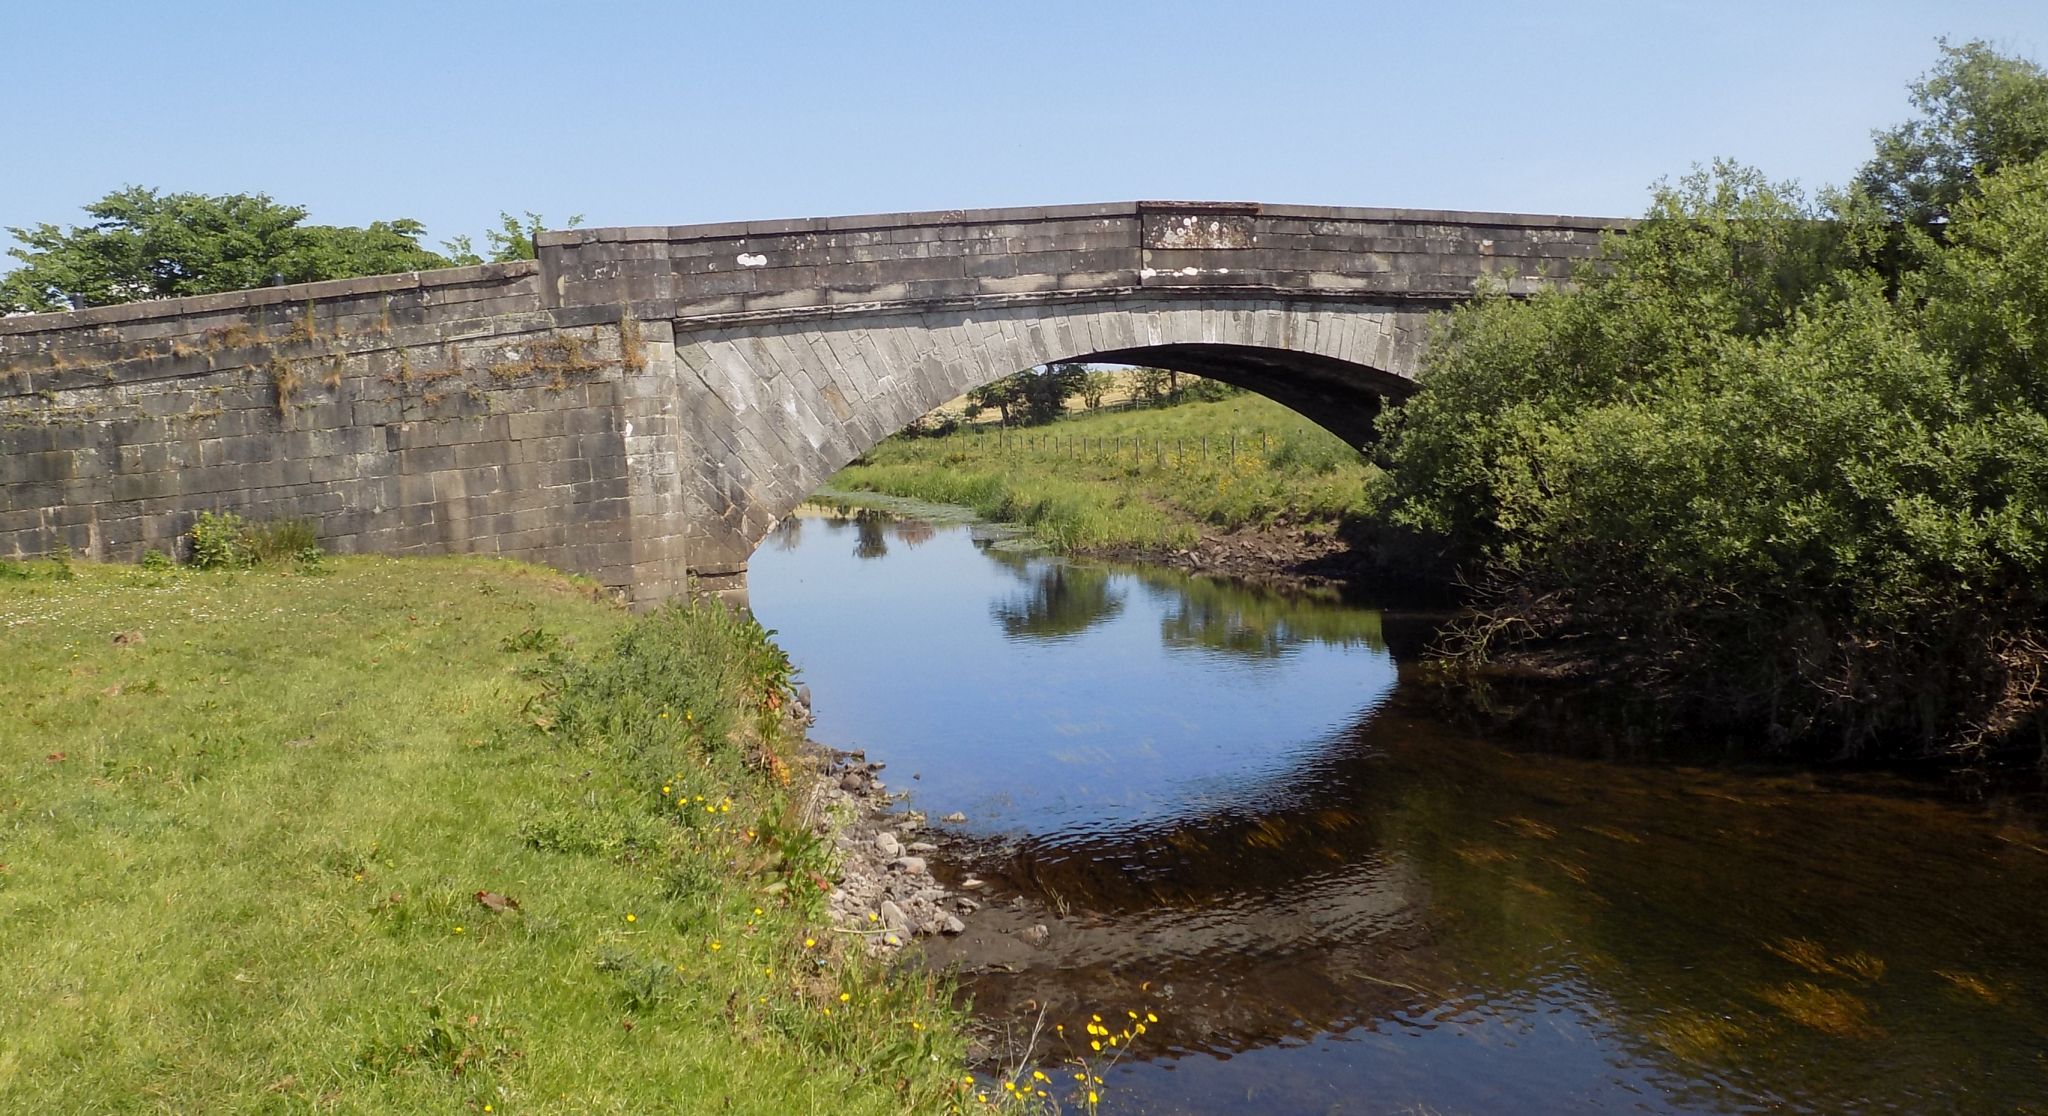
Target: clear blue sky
648,113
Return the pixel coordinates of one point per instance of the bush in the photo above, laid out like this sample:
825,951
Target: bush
1812,492
219,541
226,541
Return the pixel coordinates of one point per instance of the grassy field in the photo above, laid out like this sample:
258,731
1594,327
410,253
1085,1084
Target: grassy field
262,835
1139,478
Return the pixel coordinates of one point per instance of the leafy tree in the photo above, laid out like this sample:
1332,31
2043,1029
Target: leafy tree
511,240
1980,112
1094,386
1810,487
1031,397
1154,385
142,243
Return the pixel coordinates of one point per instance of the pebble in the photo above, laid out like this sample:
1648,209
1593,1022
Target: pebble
922,847
887,845
956,817
1038,935
852,783
909,865
894,918
952,925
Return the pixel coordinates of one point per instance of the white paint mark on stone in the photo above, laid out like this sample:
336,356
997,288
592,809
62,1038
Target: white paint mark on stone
747,259
629,430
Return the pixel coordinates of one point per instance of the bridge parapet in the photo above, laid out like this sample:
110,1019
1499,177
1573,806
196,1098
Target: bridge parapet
765,270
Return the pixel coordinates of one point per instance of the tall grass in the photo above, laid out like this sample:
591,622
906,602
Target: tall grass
1145,478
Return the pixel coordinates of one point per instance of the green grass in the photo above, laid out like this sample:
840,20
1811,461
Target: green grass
1134,478
241,846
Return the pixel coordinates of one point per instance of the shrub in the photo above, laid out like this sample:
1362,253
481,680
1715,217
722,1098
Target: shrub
226,541
219,541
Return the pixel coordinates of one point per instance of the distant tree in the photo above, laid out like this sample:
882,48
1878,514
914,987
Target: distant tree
1154,386
1980,112
511,240
145,244
1031,397
1094,386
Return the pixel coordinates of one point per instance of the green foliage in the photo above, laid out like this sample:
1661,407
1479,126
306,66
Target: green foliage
226,541
1083,483
281,540
513,239
156,561
1032,397
144,244
1981,112
1812,486
220,541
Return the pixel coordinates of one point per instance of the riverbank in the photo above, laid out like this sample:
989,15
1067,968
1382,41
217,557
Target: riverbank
1240,487
450,835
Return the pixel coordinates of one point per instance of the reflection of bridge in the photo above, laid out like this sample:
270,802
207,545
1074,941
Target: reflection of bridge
641,404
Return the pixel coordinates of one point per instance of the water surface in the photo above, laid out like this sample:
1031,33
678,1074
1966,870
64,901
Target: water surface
1229,809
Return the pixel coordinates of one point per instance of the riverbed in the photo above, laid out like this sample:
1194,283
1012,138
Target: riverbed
1245,820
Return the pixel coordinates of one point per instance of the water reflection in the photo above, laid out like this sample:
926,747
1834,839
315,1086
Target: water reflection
1338,899
1059,599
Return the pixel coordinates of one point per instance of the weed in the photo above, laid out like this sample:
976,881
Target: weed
282,540
219,541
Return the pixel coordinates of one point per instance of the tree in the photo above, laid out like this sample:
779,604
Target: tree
145,244
1807,482
1094,386
513,239
1980,112
1153,385
1031,397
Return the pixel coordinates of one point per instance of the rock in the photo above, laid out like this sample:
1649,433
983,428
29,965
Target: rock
853,783
893,917
929,894
1037,935
973,882
956,818
922,847
909,865
951,925
888,846
965,905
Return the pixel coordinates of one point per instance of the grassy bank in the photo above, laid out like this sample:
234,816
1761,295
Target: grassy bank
1143,478
426,835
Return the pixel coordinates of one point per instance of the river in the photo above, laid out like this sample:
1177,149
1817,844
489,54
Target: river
1246,815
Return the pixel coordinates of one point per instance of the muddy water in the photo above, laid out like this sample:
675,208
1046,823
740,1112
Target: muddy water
1228,809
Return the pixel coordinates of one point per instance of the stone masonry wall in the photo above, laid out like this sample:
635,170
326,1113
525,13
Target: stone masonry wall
443,412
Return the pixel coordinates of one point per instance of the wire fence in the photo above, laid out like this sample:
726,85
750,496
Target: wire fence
1135,449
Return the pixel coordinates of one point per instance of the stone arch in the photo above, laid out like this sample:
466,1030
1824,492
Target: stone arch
784,405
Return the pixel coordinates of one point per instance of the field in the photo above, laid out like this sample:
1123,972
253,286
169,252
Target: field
370,835
1150,478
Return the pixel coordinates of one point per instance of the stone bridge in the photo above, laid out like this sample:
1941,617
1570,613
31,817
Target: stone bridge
643,404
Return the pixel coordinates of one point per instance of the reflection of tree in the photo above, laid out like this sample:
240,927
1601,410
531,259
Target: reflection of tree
913,532
1253,623
1729,930
871,538
1059,600
788,534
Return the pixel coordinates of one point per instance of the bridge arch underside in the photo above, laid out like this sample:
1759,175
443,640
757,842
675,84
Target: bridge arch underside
785,405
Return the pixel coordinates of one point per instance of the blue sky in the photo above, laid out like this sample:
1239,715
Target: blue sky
647,113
